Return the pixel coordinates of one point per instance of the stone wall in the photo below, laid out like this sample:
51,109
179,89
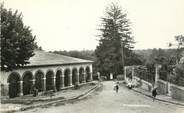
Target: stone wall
177,92
4,90
144,84
162,87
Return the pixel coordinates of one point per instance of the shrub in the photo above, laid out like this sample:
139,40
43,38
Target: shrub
178,77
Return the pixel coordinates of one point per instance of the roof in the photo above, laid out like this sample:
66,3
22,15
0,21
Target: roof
42,58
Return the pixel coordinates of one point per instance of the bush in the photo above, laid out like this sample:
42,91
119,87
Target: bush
178,77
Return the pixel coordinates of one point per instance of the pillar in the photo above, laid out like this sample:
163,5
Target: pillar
62,81
90,76
5,89
125,73
70,79
44,84
21,88
91,73
84,77
77,78
157,67
54,83
98,73
169,89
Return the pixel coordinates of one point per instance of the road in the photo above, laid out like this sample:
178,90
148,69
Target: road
106,100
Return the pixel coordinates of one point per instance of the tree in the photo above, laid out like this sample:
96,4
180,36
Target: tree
17,41
178,76
180,46
115,41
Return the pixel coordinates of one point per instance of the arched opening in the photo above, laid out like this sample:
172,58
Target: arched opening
39,80
27,82
14,84
58,80
49,80
66,75
88,74
74,76
81,74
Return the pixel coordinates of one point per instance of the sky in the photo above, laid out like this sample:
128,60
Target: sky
72,24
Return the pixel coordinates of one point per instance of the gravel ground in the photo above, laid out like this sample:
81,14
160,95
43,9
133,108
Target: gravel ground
64,94
106,100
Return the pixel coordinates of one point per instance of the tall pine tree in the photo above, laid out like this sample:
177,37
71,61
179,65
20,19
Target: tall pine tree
115,41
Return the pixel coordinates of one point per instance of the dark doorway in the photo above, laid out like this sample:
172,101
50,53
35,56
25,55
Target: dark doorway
14,85
27,83
74,76
39,80
66,75
58,80
87,74
81,75
49,80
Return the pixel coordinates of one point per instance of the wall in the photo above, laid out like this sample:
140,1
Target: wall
162,87
177,92
144,84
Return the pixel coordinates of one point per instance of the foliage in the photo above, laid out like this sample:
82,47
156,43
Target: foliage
134,59
16,39
180,47
178,77
115,41
146,73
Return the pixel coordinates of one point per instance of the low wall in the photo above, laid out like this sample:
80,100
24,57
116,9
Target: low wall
144,84
177,92
162,87
4,91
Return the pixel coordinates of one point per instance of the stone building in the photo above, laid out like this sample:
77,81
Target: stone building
46,71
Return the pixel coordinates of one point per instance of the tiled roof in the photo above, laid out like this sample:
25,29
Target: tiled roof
45,58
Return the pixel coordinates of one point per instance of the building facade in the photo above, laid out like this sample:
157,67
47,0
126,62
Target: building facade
46,71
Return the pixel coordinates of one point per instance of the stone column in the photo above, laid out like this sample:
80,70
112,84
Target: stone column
70,80
62,81
54,83
169,89
91,73
98,73
90,76
21,88
125,73
44,84
77,78
84,77
5,87
157,67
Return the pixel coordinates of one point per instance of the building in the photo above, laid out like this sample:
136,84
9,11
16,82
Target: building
46,71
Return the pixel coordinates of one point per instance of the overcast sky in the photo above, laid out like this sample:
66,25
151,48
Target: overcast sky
72,24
